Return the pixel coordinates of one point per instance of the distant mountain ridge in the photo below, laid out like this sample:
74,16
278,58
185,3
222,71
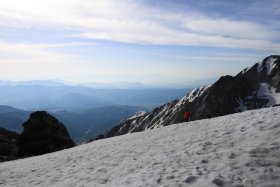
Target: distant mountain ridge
82,125
88,124
46,97
255,87
12,118
31,83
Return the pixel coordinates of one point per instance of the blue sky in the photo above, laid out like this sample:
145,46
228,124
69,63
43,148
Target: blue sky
153,42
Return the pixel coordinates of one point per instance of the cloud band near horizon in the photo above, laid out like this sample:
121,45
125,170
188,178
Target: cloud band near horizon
251,25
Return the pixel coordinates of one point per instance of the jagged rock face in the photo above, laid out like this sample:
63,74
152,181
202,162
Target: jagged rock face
255,87
274,76
43,134
8,147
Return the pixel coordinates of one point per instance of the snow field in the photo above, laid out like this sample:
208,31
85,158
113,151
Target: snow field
236,150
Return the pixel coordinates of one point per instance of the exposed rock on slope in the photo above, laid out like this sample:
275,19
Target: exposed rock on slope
8,148
42,134
255,87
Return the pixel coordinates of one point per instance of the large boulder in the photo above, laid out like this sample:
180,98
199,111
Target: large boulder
8,148
43,134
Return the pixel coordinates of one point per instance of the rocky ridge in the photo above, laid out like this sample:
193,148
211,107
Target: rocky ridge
254,87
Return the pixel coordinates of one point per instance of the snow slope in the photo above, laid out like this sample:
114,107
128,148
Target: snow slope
242,149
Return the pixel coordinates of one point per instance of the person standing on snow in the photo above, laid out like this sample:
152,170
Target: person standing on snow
187,115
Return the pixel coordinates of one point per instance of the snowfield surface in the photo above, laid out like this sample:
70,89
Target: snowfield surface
236,150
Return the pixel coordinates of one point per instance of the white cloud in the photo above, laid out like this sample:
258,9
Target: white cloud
133,22
40,61
22,54
230,28
12,46
29,52
118,20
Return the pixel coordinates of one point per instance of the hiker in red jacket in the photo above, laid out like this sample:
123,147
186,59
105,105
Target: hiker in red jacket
187,115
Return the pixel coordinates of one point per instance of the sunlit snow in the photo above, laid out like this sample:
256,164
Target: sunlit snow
242,149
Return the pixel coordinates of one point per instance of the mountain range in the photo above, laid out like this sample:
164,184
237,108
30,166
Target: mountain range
86,112
202,152
50,96
254,87
82,125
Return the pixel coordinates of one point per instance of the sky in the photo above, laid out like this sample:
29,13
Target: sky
152,42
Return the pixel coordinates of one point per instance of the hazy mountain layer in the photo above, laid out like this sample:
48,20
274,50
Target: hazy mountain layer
50,97
82,125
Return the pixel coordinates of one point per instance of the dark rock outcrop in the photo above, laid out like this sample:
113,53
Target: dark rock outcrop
43,134
8,147
255,87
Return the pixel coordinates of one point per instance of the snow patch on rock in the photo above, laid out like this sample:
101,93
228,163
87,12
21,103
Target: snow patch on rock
137,114
196,93
269,93
259,66
245,70
191,96
242,107
270,65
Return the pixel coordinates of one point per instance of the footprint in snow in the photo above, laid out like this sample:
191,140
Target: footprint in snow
191,179
219,182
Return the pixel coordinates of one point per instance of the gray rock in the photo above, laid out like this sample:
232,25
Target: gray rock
43,134
8,147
